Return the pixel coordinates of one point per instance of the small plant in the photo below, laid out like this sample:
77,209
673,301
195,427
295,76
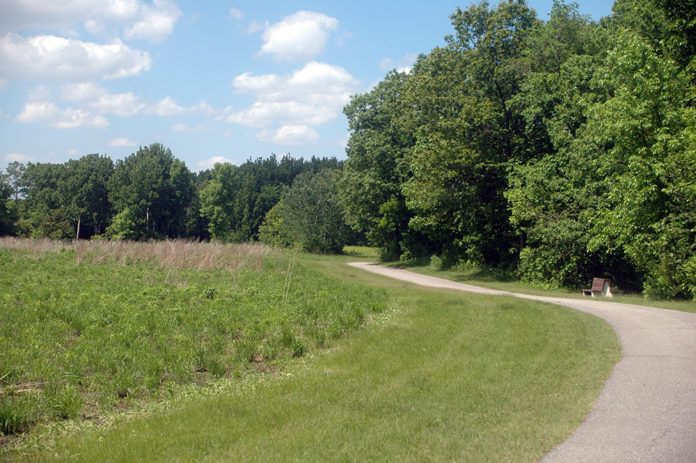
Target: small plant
209,293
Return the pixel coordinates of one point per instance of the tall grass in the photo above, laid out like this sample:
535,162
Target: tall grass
92,327
172,254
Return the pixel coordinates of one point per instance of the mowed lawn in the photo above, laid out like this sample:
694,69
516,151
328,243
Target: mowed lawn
437,376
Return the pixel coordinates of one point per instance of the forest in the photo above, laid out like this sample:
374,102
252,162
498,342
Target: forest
554,150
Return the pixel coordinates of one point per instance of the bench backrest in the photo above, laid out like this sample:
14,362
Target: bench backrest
598,283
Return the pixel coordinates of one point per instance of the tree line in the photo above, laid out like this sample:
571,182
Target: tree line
557,150
562,149
150,195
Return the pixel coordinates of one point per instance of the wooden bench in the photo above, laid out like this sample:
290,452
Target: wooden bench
600,287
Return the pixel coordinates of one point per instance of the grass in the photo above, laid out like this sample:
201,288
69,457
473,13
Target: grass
439,376
93,328
490,279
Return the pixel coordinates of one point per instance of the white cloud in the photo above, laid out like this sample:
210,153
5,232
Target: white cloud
265,113
141,20
122,141
68,118
156,22
289,135
48,57
403,64
298,37
237,14
166,107
210,162
12,157
312,95
100,100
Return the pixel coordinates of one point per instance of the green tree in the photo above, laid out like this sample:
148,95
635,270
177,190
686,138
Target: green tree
83,193
469,132
7,216
152,190
377,167
311,213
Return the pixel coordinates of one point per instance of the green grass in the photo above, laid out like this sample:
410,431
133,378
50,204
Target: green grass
489,279
439,376
80,340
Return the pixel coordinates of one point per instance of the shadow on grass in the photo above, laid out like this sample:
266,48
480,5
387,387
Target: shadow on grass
458,272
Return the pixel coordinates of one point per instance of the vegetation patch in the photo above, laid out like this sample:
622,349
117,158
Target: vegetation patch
89,328
441,376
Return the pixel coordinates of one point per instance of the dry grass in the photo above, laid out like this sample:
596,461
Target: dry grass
173,254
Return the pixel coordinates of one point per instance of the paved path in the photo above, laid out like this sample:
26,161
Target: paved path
647,409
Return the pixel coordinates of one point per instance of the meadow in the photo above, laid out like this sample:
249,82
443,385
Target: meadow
429,374
91,327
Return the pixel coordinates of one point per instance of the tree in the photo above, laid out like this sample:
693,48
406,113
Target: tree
311,214
468,133
7,216
377,168
150,190
84,193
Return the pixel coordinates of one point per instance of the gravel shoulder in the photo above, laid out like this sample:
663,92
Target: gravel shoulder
646,411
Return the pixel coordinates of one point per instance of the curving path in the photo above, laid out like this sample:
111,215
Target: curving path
646,411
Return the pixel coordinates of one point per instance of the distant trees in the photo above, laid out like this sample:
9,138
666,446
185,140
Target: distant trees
150,194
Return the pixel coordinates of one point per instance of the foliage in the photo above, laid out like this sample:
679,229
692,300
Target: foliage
235,199
151,190
376,169
310,214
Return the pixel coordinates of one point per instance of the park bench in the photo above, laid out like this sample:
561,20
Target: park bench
600,287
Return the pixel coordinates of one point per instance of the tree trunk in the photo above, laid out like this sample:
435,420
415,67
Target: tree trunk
77,234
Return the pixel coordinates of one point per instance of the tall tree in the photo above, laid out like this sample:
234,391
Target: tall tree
377,167
150,190
469,132
84,193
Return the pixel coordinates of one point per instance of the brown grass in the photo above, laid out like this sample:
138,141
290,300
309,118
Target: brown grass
172,254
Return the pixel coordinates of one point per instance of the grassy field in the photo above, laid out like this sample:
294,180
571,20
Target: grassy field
487,279
94,328
433,375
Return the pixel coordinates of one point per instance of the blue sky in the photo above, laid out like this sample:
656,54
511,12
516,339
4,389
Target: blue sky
213,81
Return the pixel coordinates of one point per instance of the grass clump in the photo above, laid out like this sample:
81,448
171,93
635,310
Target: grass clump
87,330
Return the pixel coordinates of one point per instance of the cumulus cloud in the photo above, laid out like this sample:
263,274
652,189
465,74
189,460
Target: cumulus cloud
298,37
169,107
140,19
122,142
166,107
68,118
101,100
156,22
210,162
289,135
312,95
48,57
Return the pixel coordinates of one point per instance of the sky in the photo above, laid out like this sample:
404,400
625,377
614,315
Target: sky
214,81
